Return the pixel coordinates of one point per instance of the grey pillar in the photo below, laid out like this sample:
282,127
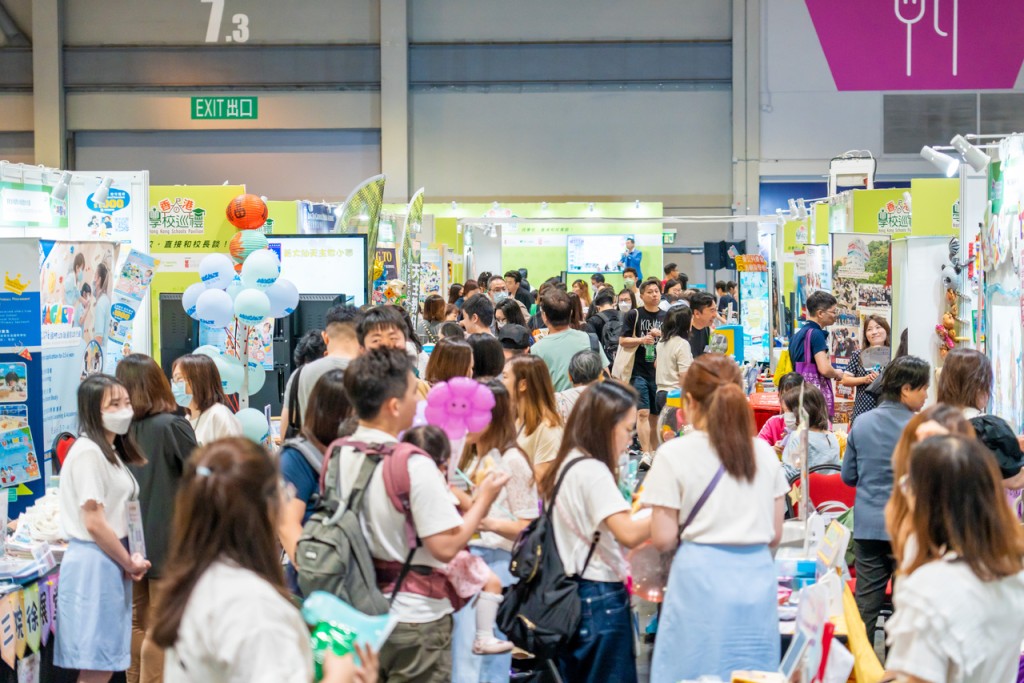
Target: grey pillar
48,83
394,99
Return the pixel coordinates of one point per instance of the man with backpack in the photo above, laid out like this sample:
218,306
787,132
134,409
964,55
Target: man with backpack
408,548
606,323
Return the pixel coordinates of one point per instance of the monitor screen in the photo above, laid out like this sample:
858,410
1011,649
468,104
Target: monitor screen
324,264
595,253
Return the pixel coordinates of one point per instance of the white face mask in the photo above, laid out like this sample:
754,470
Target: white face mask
625,306
118,421
790,419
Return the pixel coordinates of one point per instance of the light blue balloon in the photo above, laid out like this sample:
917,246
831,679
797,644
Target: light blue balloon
208,350
232,374
215,308
190,297
257,377
216,271
261,269
251,306
235,287
284,297
254,424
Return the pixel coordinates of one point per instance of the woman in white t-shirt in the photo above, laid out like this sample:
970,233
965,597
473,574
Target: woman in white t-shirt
959,608
674,354
493,449
591,520
720,611
94,613
226,614
197,386
537,420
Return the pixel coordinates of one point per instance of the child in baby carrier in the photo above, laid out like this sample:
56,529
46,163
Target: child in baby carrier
468,574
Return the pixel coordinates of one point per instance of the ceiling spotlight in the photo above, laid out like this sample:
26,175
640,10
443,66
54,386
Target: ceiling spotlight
945,163
780,218
975,158
801,209
99,197
793,211
455,205
543,206
495,205
636,203
906,200
590,207
60,190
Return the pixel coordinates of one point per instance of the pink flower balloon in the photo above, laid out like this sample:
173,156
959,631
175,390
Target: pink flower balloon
458,406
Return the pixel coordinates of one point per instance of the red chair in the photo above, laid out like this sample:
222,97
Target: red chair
827,492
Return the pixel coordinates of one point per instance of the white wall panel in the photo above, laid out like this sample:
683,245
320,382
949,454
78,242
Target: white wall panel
672,145
184,22
279,164
502,20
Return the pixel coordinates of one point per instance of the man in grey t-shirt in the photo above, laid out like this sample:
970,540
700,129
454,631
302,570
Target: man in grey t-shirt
342,347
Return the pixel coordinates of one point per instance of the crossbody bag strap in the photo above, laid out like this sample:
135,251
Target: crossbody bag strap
807,345
404,572
551,509
703,499
590,553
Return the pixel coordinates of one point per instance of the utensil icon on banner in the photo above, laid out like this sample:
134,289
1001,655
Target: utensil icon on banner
904,10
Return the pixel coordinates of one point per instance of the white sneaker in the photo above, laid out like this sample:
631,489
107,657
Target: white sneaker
491,646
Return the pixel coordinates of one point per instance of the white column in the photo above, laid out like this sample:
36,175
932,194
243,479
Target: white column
394,99
746,118
48,83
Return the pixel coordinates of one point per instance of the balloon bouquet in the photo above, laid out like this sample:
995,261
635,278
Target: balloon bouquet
241,291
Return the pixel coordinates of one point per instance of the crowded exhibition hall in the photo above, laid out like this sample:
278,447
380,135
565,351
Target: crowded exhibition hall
466,341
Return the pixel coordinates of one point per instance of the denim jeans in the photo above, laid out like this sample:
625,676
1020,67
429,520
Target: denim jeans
603,648
466,666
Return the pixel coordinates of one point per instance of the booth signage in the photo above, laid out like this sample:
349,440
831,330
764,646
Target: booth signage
30,206
222,108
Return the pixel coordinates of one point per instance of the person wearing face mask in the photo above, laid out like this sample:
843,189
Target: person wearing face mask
497,290
630,277
867,465
508,312
167,440
626,301
822,445
779,426
197,387
631,259
97,489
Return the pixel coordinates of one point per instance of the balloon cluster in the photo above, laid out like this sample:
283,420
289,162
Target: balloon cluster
458,406
246,287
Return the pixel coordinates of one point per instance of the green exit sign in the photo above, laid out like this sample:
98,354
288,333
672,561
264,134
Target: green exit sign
221,108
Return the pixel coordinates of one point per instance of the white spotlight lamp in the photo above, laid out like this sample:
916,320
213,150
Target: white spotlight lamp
99,197
974,157
945,163
60,190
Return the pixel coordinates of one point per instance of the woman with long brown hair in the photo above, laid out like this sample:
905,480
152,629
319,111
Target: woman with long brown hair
167,440
937,420
197,388
875,335
966,382
959,609
718,494
433,317
226,615
591,520
302,459
581,289
493,449
537,420
97,489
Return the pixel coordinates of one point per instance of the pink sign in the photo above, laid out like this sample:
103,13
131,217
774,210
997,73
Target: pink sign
920,44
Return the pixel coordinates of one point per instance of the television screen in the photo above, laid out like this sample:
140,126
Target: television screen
324,264
595,253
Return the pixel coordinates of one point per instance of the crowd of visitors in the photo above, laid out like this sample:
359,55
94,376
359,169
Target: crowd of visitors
579,376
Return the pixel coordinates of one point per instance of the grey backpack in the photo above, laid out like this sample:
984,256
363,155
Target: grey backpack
332,553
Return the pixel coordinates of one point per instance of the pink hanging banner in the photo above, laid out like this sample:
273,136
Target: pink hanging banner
920,44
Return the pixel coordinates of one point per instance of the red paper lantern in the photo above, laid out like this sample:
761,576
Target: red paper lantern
247,211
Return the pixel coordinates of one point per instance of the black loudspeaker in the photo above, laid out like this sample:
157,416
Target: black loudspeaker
732,250
714,255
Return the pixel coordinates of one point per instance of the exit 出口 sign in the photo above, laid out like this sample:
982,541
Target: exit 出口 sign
221,108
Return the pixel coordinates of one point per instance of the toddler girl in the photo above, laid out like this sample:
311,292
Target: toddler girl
468,574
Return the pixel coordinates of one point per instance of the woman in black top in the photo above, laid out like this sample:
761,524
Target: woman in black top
966,382
166,440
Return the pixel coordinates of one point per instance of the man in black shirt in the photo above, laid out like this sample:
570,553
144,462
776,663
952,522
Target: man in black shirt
514,283
704,313
725,300
642,328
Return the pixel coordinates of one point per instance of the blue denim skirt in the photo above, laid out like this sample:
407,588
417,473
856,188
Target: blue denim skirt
94,611
720,614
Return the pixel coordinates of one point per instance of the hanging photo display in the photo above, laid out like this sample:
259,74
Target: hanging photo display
861,282
813,272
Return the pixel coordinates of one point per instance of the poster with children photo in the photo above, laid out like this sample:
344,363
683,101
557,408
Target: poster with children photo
15,383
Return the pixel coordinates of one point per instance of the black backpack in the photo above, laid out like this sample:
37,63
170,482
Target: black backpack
541,612
611,332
